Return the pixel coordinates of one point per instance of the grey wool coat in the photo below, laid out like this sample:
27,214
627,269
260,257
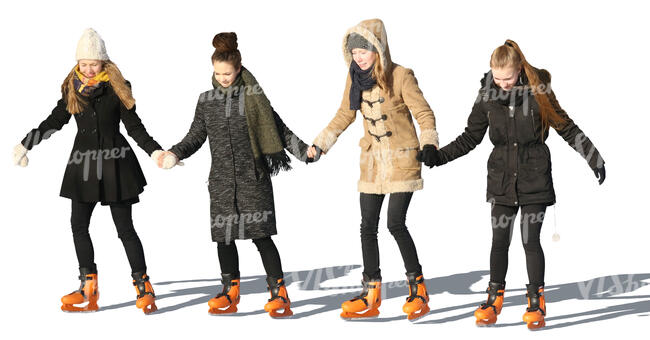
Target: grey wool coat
241,194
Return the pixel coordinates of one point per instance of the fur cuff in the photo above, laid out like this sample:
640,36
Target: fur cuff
325,140
429,136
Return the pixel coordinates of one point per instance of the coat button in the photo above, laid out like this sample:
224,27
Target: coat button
95,131
515,144
83,130
381,100
388,134
516,202
99,100
94,113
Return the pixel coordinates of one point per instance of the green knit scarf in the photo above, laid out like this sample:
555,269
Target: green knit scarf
266,143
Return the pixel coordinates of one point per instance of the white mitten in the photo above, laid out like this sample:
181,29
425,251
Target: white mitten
170,160
20,155
156,155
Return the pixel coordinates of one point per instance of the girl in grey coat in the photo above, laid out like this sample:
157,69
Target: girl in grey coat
247,142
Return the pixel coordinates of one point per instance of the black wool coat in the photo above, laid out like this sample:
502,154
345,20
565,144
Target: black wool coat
241,193
519,167
102,166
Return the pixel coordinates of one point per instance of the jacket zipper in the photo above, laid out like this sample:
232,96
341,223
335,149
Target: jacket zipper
514,126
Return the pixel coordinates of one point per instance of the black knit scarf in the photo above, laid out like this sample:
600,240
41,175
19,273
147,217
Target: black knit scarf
361,81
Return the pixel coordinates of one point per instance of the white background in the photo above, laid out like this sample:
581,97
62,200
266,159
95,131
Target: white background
596,52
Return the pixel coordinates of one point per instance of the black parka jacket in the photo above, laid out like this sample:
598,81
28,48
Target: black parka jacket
102,166
519,167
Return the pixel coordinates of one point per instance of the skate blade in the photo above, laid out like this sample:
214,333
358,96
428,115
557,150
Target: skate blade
90,308
415,316
216,311
369,314
486,322
536,325
287,313
150,309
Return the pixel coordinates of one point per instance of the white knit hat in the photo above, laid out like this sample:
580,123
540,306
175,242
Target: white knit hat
91,46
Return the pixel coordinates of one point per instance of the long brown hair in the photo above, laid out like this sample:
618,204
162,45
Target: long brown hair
382,76
509,55
75,103
225,49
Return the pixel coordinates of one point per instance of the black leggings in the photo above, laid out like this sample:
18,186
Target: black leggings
398,204
229,258
503,218
80,220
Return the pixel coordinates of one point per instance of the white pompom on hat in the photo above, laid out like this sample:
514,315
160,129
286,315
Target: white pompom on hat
91,46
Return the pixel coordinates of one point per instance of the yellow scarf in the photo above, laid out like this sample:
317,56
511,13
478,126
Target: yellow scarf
90,82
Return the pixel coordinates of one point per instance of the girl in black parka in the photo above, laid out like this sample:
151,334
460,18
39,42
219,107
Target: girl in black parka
516,102
102,166
247,142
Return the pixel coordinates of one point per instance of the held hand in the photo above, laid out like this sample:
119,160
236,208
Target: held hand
429,155
156,156
314,153
169,160
600,174
20,156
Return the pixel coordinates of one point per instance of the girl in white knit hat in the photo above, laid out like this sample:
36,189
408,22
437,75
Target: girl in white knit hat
102,166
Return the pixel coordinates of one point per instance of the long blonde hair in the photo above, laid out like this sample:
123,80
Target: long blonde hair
75,103
509,55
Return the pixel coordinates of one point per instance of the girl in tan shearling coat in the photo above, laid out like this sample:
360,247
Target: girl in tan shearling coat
388,97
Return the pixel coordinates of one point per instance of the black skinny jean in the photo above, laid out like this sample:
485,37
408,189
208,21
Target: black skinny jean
80,220
229,258
398,204
503,219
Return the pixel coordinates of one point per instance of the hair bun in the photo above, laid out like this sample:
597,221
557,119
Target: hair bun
225,42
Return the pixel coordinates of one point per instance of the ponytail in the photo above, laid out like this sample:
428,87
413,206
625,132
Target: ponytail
509,55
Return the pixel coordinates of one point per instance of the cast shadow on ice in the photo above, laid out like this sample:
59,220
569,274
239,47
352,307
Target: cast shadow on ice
612,288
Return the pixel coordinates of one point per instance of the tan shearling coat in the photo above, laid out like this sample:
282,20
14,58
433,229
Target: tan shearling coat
390,143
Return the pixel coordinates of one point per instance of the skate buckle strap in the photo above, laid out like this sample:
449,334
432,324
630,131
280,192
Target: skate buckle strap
276,290
140,283
277,297
410,298
485,306
534,301
491,291
141,280
361,297
145,293
226,295
534,309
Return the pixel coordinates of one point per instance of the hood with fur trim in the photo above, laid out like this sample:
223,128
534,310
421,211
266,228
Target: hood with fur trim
372,30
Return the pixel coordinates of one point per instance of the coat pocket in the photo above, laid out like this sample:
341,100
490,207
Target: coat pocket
535,177
405,158
495,185
366,161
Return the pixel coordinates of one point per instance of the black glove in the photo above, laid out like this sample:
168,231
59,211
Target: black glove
429,155
600,174
315,158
